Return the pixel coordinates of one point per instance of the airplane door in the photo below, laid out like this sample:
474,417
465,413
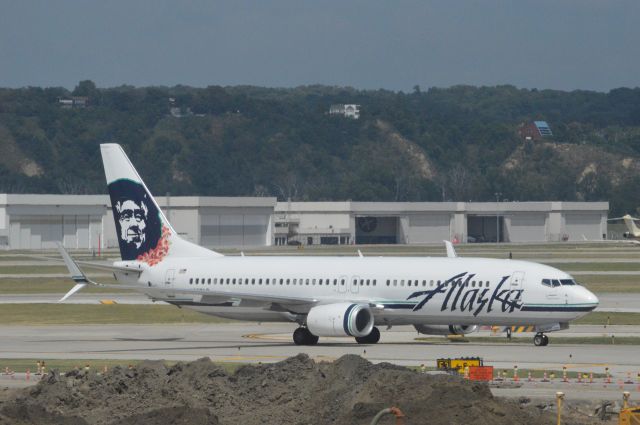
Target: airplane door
354,284
169,278
517,280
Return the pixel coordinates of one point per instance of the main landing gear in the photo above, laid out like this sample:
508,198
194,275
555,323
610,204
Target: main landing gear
372,338
540,340
302,336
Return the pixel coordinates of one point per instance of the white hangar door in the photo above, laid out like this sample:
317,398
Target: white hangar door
429,228
237,230
528,228
580,226
255,230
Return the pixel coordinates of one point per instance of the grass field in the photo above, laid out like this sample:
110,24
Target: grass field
602,318
27,270
43,285
597,267
610,283
89,314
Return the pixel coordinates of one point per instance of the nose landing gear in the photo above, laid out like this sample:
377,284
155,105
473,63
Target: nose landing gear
540,340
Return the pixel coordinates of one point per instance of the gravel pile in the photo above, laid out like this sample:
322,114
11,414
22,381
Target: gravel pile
295,391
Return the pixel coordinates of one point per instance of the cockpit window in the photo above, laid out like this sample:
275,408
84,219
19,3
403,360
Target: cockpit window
551,283
554,283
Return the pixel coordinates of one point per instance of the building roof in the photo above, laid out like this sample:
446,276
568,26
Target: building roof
543,128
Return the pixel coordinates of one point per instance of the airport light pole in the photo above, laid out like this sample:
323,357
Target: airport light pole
498,195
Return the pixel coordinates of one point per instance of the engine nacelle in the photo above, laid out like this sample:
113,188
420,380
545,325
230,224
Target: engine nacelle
340,319
446,329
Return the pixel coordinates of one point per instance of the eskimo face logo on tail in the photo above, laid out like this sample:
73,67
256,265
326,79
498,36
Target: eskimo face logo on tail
140,232
132,218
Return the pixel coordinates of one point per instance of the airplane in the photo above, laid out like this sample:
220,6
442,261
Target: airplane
633,231
327,296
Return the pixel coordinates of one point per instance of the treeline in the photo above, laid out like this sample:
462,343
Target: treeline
458,144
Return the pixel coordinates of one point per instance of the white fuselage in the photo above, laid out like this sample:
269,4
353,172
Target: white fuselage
442,291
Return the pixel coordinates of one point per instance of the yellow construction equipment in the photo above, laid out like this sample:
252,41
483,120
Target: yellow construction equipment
629,416
459,364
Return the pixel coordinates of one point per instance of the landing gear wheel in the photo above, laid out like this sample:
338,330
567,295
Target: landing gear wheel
372,338
540,339
302,336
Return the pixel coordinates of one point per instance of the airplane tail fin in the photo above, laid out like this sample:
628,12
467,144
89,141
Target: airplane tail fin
631,225
144,233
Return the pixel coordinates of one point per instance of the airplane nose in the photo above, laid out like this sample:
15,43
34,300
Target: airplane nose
588,297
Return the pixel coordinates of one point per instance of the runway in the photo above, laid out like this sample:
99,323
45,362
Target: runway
250,342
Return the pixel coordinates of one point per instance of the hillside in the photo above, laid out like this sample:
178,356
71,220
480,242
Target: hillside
456,144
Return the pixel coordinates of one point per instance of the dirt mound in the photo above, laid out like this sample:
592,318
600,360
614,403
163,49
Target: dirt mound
298,391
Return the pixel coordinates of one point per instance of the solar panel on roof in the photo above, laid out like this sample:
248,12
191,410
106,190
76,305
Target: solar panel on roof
543,128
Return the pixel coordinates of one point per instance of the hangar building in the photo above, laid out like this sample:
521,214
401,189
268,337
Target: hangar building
431,222
85,221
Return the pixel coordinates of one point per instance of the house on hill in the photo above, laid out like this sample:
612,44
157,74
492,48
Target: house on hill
346,110
535,130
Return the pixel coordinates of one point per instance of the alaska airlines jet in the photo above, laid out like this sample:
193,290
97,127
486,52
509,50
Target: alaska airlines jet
328,296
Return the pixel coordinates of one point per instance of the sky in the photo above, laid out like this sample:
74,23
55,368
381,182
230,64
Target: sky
372,44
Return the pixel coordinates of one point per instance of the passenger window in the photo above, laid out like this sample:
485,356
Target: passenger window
191,280
395,282
335,282
287,281
295,281
267,281
388,282
342,282
402,282
312,281
374,282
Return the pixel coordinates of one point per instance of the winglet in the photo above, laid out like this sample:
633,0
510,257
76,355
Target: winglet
76,274
360,254
451,252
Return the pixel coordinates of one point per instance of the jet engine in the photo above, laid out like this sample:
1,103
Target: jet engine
340,319
446,330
